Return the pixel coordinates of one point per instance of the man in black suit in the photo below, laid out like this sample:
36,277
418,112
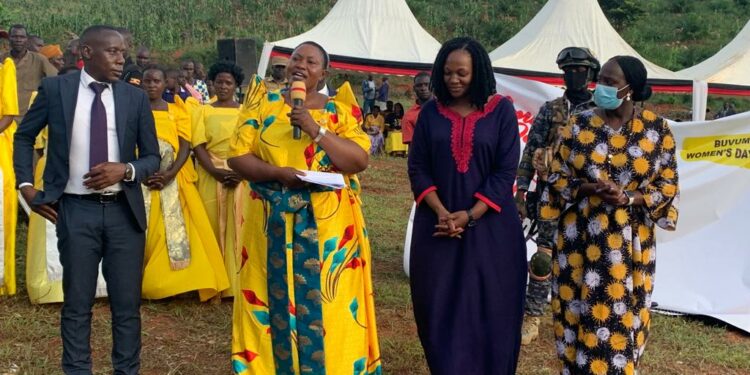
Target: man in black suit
91,191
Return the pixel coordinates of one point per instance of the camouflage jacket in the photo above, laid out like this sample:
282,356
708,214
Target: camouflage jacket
543,133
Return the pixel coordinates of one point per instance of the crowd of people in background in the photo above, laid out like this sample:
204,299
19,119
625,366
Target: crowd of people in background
186,179
198,220
383,118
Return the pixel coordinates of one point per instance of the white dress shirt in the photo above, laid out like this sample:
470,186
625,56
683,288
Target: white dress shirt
81,138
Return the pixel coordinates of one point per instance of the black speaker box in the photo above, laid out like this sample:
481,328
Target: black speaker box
242,52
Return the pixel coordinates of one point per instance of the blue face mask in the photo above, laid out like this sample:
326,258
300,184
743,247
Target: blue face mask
606,96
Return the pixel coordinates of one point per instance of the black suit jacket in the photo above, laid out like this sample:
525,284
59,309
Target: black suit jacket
54,107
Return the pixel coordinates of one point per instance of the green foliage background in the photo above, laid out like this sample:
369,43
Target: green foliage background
672,33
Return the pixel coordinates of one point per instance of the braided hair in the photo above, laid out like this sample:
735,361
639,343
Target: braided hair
482,80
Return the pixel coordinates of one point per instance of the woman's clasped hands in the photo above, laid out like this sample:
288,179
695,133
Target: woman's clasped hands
451,224
610,192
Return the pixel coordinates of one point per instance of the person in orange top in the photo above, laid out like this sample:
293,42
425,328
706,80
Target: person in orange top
54,54
423,93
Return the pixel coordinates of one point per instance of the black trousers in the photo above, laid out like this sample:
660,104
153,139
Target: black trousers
89,232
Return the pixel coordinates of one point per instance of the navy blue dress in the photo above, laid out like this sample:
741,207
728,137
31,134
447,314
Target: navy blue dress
468,293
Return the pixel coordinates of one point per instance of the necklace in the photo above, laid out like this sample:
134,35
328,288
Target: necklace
619,130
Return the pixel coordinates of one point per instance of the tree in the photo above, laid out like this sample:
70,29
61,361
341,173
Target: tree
5,16
620,13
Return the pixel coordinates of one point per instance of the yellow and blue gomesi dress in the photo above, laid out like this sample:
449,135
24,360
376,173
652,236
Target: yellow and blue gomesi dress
181,253
604,257
306,303
9,203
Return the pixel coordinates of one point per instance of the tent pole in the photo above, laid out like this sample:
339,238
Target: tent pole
700,100
265,57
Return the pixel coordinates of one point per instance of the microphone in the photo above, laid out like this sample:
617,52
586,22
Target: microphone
298,92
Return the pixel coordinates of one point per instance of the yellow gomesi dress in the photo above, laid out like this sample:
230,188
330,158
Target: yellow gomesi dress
43,281
322,320
181,254
213,127
8,106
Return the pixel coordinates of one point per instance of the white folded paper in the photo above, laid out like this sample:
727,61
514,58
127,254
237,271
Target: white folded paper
333,180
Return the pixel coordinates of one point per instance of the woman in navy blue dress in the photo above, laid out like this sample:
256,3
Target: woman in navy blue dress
468,256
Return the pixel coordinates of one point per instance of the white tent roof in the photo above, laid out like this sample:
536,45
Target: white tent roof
730,66
384,30
566,23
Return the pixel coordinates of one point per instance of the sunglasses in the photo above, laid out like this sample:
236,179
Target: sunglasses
573,53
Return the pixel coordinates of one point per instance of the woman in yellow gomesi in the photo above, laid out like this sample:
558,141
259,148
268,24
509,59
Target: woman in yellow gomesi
8,111
613,179
218,185
181,254
306,303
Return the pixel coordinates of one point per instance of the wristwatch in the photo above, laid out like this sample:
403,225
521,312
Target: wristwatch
128,172
472,222
631,197
321,133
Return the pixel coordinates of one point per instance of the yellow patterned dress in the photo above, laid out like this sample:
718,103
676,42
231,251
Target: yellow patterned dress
9,204
604,258
181,254
322,320
212,127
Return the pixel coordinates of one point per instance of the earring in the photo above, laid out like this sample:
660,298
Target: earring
627,97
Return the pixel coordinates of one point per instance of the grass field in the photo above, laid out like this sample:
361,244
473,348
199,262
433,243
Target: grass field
182,336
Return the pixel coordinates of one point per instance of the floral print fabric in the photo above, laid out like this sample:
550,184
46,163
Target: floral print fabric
604,256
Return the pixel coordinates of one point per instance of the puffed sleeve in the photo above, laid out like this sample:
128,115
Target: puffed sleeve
246,132
191,104
346,126
662,195
180,112
199,126
498,186
347,118
181,115
8,89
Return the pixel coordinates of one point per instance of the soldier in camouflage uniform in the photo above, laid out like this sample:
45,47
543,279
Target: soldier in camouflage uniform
580,68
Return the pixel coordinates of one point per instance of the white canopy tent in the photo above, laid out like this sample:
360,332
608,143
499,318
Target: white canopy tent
380,36
725,73
564,23
729,66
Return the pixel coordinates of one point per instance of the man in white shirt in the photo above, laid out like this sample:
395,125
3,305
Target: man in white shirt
92,192
368,95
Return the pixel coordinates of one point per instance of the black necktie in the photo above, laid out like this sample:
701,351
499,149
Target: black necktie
98,146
